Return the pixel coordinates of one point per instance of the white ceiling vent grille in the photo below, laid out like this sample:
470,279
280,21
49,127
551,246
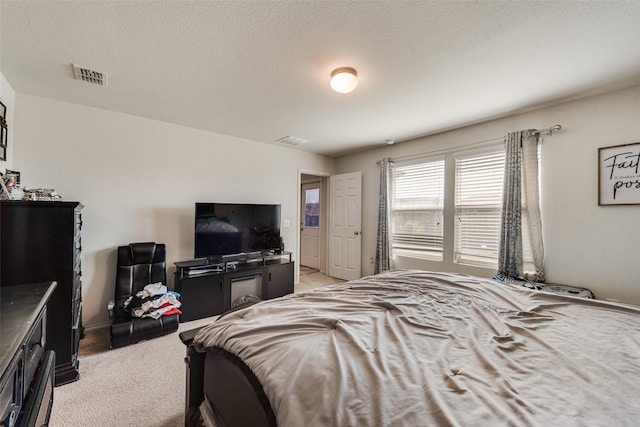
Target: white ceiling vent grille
91,76
292,140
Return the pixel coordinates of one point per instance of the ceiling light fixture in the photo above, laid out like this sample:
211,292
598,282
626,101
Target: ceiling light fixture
344,79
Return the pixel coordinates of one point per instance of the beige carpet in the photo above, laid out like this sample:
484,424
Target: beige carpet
141,385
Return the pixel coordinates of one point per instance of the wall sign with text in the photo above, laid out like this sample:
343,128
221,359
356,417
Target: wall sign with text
619,175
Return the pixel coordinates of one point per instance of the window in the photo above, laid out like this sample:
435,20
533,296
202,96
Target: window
417,213
478,205
312,207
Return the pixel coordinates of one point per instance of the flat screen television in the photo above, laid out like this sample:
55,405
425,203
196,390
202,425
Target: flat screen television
235,228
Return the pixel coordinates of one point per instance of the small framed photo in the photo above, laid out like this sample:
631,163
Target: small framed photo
3,112
3,152
15,175
3,136
619,175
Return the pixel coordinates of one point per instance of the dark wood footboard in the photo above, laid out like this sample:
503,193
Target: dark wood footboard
194,362
235,394
233,391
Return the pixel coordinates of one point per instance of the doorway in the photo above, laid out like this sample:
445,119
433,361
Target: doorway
338,219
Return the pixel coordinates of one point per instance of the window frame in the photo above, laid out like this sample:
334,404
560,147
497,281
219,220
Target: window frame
449,256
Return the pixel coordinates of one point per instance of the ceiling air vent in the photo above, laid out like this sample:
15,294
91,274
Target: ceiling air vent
292,140
91,76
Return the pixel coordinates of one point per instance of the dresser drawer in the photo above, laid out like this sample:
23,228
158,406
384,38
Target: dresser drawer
37,410
33,350
11,392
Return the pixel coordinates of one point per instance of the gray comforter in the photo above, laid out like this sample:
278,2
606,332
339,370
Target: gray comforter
412,348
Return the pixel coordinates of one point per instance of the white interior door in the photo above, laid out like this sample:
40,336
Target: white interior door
310,222
345,195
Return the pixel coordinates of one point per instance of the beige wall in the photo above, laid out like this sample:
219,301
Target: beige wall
585,245
139,179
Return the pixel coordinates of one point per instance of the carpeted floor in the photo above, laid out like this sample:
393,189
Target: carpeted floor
138,385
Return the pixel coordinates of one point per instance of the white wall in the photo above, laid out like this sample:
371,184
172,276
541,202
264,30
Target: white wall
585,245
139,179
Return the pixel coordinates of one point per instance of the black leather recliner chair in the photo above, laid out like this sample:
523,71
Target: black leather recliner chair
138,265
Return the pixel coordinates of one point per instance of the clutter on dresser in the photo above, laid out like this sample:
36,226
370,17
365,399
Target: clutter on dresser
10,183
13,175
47,194
10,189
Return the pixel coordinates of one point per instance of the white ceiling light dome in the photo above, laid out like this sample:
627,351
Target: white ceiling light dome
344,79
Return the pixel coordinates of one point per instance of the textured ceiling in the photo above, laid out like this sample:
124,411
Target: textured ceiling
260,70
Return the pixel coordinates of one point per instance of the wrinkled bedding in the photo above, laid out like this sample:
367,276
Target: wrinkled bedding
413,348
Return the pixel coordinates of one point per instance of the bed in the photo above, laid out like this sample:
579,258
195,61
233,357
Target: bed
417,348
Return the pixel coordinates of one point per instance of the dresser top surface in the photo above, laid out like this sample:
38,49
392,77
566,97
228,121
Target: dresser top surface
19,309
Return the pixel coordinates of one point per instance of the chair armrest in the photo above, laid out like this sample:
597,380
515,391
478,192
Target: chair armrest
110,306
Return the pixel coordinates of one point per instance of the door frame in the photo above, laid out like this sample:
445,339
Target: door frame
324,179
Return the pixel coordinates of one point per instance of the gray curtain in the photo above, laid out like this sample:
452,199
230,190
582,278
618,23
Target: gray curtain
521,252
383,243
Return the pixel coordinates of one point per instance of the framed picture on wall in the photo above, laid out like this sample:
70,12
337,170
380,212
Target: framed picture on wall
3,112
3,152
619,175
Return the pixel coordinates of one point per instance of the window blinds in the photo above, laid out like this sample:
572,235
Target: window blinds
417,209
478,202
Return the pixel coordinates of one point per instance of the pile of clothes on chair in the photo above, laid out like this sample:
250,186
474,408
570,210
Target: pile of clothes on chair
153,301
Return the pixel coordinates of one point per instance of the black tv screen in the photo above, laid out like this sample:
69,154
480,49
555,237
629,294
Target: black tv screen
234,228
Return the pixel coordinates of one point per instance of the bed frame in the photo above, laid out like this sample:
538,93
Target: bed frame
535,332
237,398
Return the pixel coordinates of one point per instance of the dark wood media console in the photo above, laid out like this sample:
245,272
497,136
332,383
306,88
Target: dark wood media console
210,287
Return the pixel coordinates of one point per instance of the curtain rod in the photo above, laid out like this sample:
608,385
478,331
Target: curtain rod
546,131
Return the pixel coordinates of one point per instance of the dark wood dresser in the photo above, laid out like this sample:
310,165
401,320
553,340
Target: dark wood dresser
26,376
40,242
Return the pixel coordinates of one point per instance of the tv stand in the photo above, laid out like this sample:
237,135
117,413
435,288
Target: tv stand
209,286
